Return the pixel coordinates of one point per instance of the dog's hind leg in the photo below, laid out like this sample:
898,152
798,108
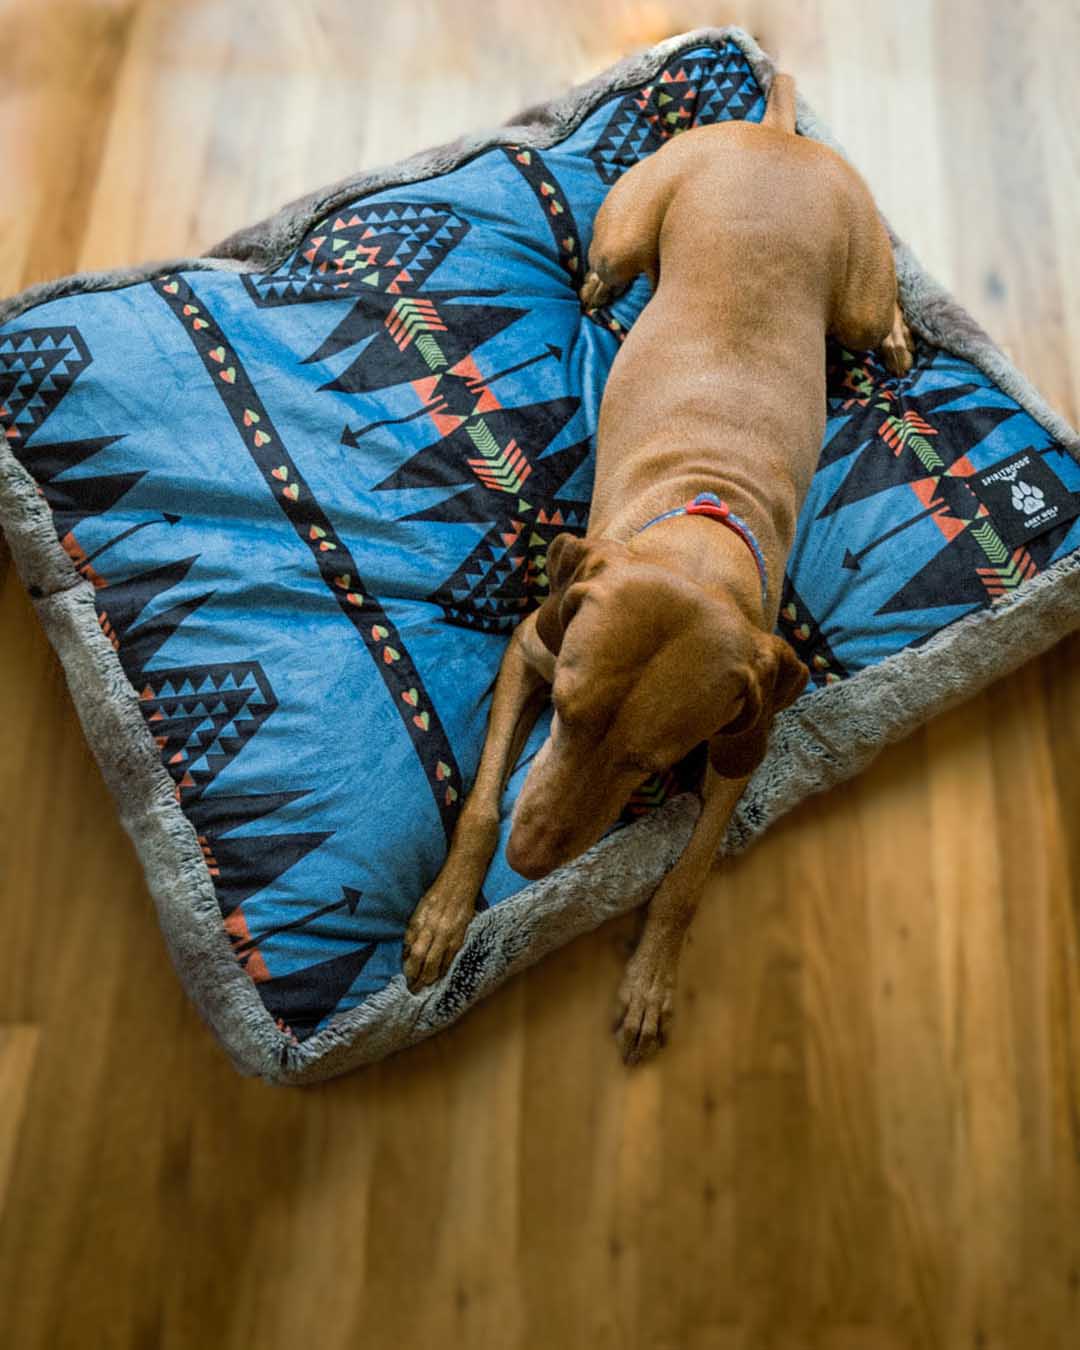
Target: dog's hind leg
866,311
626,231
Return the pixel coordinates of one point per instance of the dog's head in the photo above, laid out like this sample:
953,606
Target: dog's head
647,666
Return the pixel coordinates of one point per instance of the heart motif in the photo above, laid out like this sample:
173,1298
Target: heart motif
790,612
422,720
292,491
546,189
568,244
251,418
555,209
803,631
200,323
343,581
451,796
355,598
525,157
327,547
442,771
218,355
229,376
260,438
172,287
191,309
820,661
389,655
316,532
378,632
281,472
411,697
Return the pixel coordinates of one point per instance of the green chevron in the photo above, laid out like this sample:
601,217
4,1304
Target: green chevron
430,350
498,471
416,322
928,456
991,543
913,440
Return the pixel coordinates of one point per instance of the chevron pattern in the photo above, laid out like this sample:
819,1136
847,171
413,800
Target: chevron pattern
502,468
911,431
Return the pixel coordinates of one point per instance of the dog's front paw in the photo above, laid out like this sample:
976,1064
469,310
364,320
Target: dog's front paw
645,1007
434,937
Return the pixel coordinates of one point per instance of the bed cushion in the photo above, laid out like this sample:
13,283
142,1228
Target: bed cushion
280,507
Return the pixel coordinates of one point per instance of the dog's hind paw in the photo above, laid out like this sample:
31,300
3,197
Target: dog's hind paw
595,292
898,349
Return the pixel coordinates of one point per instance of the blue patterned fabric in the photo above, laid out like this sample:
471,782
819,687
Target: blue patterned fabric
314,503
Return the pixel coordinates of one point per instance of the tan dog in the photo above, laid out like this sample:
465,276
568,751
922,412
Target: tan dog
658,633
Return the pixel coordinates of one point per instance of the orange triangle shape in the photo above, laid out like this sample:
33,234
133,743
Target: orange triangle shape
446,423
950,526
925,489
256,968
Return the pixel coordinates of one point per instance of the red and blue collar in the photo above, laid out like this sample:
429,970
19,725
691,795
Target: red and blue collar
709,504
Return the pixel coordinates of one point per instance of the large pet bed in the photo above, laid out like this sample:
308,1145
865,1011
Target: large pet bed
279,507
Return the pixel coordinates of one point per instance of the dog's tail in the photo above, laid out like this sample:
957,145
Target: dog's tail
780,108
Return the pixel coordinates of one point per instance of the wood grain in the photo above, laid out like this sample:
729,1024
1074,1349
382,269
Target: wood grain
866,1132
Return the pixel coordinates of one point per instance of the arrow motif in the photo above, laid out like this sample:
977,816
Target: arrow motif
166,518
482,381
352,438
475,384
350,898
852,561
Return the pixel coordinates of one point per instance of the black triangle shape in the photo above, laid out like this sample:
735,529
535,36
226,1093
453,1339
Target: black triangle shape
249,863
123,601
74,499
140,644
304,997
43,462
214,816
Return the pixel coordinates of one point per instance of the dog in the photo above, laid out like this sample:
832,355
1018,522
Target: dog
657,633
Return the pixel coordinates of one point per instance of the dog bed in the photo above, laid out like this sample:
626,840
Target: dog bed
279,507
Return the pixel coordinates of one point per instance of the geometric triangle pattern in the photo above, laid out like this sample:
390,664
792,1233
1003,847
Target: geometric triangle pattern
687,93
37,368
386,246
201,717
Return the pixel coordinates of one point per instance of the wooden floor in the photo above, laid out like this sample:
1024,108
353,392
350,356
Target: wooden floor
866,1134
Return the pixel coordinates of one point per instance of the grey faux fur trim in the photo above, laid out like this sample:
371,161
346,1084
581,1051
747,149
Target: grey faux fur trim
828,736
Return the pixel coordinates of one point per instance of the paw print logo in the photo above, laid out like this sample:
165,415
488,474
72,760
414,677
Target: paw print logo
1026,498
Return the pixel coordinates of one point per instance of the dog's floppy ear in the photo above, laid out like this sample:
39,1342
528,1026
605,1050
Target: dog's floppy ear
775,677
566,553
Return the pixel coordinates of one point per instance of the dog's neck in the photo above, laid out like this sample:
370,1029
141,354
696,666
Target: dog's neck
708,553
